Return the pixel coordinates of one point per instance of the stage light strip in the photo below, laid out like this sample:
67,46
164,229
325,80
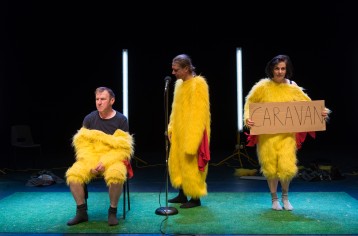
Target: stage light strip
239,89
125,82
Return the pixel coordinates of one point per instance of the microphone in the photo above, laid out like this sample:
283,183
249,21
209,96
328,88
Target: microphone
167,80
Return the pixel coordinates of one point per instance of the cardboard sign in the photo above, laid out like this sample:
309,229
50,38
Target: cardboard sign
287,117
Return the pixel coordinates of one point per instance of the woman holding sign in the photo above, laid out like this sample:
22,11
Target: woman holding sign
277,152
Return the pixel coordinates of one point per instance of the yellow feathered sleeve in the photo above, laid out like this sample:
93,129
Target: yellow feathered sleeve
255,95
199,116
171,124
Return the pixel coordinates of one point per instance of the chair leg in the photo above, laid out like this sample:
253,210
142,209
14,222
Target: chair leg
86,192
126,198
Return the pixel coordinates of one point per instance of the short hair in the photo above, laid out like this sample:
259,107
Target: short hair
101,89
274,61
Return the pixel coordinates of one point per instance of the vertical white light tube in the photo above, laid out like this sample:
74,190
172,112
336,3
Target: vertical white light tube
239,89
125,82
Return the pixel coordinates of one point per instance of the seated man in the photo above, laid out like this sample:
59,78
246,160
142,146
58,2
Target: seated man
103,146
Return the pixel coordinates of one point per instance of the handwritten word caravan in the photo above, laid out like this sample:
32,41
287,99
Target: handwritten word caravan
284,117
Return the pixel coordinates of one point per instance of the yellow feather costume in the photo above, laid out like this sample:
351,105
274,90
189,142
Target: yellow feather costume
189,118
276,152
94,146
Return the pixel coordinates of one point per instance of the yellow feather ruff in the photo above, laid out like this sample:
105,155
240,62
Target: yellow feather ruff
94,146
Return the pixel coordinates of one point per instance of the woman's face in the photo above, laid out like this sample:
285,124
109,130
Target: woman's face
279,72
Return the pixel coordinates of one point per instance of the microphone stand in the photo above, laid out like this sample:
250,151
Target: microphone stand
166,211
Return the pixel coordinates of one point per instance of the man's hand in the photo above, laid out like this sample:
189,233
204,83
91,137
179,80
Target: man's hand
99,169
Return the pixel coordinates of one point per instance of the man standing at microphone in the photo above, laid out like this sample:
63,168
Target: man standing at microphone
189,133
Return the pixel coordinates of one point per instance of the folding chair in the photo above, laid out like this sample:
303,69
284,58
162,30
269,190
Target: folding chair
21,139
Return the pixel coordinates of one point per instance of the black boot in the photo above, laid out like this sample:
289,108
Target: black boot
181,198
81,215
192,203
112,216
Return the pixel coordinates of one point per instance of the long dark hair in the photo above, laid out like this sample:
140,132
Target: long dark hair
274,61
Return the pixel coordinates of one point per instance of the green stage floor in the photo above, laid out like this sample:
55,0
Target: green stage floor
220,213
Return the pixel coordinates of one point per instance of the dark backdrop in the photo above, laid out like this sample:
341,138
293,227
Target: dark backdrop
54,54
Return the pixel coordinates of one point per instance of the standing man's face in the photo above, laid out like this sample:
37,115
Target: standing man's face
178,71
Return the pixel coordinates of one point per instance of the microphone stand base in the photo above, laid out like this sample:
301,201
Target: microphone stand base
166,211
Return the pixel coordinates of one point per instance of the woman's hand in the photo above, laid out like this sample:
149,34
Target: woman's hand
250,123
325,113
